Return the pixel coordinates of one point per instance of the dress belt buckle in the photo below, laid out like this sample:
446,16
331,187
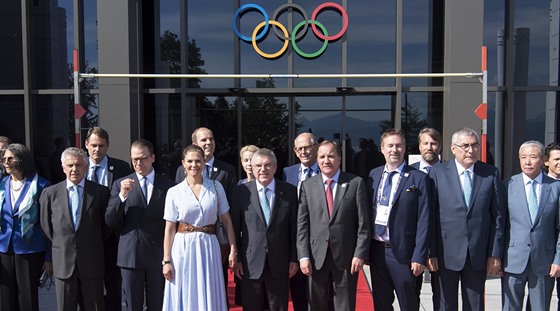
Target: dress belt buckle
205,228
190,228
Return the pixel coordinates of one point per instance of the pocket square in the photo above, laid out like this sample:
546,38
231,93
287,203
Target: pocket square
412,189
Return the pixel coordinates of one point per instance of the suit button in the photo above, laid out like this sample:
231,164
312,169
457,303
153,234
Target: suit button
529,245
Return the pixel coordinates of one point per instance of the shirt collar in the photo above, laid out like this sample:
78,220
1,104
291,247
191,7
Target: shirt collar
101,164
303,167
69,184
461,169
526,178
334,178
424,164
398,169
271,186
552,176
150,176
211,162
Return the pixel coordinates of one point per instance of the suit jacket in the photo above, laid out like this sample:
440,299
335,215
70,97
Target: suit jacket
116,169
409,217
538,242
349,228
291,174
255,239
221,171
415,166
83,247
476,229
141,225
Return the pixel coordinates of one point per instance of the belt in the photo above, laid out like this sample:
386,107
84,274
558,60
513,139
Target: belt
188,228
384,244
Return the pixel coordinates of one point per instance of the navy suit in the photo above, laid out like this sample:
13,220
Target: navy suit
408,227
265,251
466,236
140,248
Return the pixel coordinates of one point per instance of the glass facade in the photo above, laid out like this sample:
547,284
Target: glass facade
303,37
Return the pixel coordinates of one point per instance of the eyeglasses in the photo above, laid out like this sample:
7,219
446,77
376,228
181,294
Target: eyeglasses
304,148
466,147
8,159
139,160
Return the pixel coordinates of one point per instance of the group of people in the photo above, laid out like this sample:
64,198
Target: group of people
108,232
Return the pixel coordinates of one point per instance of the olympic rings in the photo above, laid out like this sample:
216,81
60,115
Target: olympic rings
298,32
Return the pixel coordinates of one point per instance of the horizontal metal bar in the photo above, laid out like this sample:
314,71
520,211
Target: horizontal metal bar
289,76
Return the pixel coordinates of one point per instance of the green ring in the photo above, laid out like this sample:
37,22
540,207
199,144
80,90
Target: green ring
302,53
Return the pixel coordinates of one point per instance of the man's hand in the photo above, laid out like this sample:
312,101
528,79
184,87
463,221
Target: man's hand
293,269
432,264
357,265
238,270
126,186
305,266
494,266
417,268
554,271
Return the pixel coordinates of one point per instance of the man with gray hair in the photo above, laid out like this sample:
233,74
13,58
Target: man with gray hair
469,219
72,218
264,215
533,255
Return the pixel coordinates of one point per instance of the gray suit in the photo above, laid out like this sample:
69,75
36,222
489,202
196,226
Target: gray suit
532,247
331,243
77,255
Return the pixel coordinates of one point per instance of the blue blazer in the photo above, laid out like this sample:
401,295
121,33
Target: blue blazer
476,229
409,217
10,225
291,174
537,242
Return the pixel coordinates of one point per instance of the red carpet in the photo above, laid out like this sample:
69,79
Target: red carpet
363,296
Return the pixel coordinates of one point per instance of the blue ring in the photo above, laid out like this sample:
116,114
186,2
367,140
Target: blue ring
243,8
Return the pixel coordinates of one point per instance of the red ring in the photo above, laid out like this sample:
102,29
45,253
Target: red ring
344,18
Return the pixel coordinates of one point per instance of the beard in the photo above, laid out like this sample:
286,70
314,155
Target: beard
430,157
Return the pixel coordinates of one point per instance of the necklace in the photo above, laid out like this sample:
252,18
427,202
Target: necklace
17,183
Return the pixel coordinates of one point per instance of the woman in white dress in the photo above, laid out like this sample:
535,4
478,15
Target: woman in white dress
192,263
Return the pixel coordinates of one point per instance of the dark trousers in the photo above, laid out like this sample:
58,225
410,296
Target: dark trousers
256,294
112,278
89,289
19,279
331,282
472,287
388,276
138,283
298,291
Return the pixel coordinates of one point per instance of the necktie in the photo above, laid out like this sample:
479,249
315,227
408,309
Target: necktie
145,188
533,202
207,171
384,200
427,168
467,187
329,195
309,173
75,205
93,176
264,204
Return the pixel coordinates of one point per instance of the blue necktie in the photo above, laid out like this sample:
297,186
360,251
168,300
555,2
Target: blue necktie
75,205
145,188
206,173
94,176
384,200
533,202
467,187
264,204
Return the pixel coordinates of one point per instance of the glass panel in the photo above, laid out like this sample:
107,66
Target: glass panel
11,61
534,32
494,17
535,113
416,40
12,122
371,40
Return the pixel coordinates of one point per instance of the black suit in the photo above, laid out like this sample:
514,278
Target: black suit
265,251
140,249
113,299
77,254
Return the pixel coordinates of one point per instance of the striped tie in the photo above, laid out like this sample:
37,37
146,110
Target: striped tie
263,199
533,202
467,187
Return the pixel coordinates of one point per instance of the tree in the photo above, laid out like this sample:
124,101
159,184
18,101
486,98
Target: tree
412,123
171,51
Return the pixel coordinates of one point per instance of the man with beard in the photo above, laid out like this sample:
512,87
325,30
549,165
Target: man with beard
429,144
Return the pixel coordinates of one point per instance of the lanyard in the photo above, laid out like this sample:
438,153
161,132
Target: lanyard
380,190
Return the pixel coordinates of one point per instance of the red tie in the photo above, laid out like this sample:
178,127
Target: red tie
329,196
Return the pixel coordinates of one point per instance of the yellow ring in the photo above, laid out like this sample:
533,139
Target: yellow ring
282,50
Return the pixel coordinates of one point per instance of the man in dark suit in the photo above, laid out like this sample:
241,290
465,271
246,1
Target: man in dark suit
429,145
305,148
533,253
72,217
334,231
401,207
103,170
264,216
136,210
469,213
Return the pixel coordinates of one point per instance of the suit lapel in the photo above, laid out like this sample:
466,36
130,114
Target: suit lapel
278,193
63,192
255,198
341,187
477,181
87,199
376,181
454,182
402,181
545,192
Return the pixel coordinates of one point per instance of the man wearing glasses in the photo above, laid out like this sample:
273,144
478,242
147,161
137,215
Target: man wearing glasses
305,148
469,219
103,170
136,210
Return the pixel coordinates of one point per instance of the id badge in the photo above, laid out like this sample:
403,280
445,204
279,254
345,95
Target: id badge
382,217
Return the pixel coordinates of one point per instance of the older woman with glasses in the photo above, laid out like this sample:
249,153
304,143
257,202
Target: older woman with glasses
22,243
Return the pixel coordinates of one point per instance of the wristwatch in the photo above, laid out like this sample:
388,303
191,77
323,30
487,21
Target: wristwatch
164,262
